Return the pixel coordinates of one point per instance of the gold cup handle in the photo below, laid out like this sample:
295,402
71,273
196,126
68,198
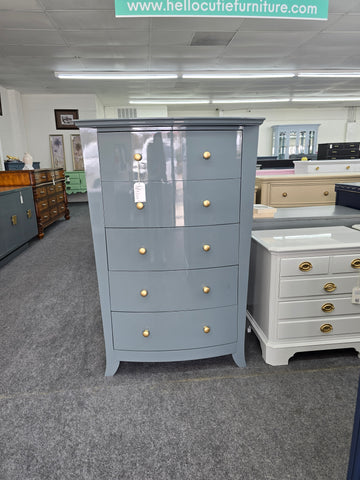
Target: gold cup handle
328,307
355,263
14,219
305,266
329,287
326,328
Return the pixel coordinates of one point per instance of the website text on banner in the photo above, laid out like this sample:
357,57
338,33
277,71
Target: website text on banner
301,9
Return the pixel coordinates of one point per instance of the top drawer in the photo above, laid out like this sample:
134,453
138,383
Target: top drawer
169,156
345,263
304,266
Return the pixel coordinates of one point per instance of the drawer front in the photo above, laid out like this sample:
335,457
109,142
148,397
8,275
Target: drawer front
314,308
174,330
61,208
41,177
172,204
73,181
319,328
59,187
51,189
52,201
58,174
345,263
172,248
42,204
224,148
119,149
304,266
54,212
326,286
40,192
173,290
284,195
60,198
44,217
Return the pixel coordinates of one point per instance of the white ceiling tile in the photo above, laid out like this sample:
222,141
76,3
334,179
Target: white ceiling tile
30,20
103,37
79,4
87,19
347,23
25,5
30,37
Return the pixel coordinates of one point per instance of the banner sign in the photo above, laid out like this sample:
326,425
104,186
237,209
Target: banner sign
300,9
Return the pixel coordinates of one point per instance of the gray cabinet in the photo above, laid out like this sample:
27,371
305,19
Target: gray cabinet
17,219
172,261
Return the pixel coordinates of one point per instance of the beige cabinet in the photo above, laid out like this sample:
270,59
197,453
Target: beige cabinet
300,190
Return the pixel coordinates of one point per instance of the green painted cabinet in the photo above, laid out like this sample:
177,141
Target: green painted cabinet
75,182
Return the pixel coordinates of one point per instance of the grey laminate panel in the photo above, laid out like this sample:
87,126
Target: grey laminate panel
172,248
173,290
180,329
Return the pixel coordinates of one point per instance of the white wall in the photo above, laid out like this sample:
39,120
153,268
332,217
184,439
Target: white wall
39,119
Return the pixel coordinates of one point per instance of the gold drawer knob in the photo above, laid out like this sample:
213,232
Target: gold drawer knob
146,333
139,205
206,329
305,266
327,307
348,167
206,248
317,168
284,194
206,289
329,287
206,155
326,193
144,293
355,263
206,203
142,250
326,328
137,157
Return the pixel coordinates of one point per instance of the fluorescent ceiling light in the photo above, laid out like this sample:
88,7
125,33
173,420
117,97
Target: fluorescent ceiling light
252,100
329,74
167,102
114,76
326,99
238,75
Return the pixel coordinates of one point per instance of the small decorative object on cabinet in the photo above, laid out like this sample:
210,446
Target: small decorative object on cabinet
17,220
300,290
171,205
49,193
75,182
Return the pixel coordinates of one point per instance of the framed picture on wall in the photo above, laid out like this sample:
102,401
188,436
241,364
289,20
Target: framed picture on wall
65,119
77,153
57,151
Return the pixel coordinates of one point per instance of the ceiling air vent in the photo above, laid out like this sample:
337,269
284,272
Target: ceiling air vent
206,39
127,112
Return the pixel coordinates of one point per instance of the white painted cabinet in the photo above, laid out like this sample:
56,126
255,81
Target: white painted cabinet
300,290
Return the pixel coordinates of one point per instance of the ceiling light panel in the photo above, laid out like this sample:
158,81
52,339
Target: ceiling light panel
114,76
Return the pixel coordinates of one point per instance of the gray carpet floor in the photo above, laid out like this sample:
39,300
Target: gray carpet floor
60,418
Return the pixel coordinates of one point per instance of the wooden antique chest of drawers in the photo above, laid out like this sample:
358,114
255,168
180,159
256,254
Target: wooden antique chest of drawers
49,193
171,209
300,290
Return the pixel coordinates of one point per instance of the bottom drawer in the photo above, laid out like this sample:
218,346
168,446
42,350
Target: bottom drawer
319,328
174,330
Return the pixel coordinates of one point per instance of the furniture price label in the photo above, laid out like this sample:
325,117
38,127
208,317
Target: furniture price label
139,192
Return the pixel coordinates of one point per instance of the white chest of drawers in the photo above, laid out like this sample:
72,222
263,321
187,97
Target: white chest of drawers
300,290
172,266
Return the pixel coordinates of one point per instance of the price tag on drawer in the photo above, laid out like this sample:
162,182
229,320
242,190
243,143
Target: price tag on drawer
356,296
139,192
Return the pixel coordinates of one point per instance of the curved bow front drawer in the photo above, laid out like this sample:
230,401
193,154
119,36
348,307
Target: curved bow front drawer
182,330
173,290
172,204
172,248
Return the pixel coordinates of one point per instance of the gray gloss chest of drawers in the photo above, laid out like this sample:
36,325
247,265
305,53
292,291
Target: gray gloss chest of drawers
172,259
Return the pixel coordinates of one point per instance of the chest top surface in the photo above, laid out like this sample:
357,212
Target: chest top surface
305,239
